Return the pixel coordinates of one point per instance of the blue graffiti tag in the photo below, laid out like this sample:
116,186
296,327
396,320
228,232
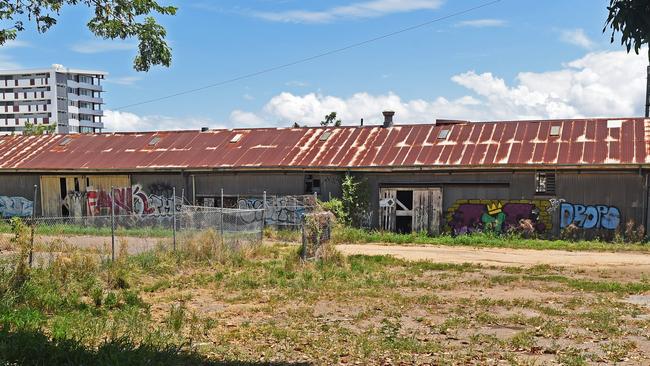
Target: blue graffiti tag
15,207
589,217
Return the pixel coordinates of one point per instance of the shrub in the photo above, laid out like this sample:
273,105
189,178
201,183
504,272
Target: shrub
335,206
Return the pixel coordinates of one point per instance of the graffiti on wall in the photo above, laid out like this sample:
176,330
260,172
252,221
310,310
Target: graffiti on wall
15,207
589,216
129,201
467,216
280,211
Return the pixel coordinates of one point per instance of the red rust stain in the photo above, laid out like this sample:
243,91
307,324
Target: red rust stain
489,144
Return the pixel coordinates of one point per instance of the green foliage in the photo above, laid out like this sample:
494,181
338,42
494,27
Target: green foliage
113,19
330,119
336,207
37,130
356,199
631,18
348,235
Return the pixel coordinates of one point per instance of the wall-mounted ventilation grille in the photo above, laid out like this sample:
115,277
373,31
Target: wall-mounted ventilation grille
545,183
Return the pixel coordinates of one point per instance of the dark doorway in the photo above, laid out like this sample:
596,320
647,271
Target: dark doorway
404,224
406,199
64,193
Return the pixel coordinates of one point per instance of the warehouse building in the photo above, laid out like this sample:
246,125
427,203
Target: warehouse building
451,176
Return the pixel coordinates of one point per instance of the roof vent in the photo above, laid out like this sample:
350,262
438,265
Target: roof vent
205,129
442,122
388,118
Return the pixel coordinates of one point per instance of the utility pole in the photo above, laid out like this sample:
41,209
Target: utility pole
647,95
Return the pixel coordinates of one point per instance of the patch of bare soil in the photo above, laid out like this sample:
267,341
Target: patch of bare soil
504,257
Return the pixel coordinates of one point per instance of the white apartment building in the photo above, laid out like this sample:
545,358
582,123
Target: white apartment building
69,99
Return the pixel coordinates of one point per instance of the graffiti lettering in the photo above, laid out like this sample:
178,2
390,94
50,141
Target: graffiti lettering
555,204
467,216
590,217
15,207
129,201
280,211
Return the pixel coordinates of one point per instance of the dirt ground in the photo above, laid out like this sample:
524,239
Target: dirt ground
504,257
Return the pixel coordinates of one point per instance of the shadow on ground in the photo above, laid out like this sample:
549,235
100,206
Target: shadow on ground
35,348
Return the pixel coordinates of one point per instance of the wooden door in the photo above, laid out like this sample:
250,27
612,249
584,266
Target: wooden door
427,210
387,209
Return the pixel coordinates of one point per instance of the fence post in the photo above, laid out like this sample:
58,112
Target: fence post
223,242
174,216
264,213
31,246
112,196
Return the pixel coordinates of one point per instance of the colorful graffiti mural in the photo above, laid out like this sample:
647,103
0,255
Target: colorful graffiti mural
15,207
467,216
129,201
589,217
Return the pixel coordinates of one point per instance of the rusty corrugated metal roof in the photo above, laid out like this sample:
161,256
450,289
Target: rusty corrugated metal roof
584,142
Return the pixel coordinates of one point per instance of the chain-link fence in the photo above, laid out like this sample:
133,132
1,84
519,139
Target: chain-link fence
114,236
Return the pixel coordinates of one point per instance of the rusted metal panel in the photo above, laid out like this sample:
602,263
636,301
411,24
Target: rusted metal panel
522,144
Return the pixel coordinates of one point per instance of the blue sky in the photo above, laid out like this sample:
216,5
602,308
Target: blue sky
515,59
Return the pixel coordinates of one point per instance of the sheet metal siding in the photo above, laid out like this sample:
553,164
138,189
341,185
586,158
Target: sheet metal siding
624,191
250,184
18,185
153,183
488,144
456,186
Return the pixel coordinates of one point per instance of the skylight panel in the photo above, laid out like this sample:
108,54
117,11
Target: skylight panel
155,140
326,135
555,130
442,135
65,141
236,138
614,123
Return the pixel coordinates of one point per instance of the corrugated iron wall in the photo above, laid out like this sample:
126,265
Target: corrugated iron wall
612,196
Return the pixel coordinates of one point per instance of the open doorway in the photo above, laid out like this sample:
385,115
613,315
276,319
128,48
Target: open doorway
407,210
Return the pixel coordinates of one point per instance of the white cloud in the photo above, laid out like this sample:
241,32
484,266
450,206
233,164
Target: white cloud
92,47
577,37
598,84
124,80
8,63
248,97
367,9
127,122
482,23
16,43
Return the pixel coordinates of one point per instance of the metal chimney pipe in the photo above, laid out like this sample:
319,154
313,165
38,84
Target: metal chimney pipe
647,95
388,118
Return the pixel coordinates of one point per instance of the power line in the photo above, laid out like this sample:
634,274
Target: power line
311,58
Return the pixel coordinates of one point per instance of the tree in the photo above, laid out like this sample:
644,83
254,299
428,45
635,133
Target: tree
113,19
37,130
631,18
331,119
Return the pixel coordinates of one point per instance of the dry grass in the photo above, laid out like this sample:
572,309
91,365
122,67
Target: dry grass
262,304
